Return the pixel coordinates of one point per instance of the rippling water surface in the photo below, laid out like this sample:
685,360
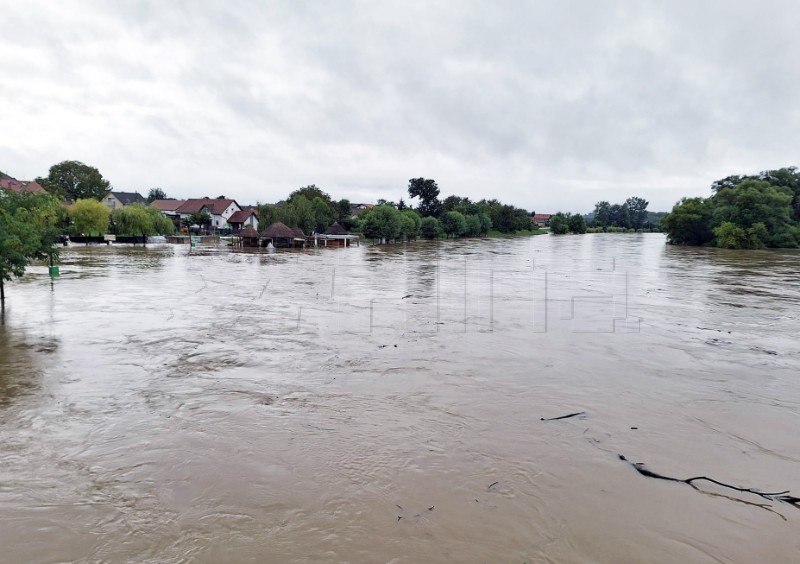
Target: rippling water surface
384,404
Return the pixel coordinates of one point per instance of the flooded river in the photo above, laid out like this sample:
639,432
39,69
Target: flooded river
385,404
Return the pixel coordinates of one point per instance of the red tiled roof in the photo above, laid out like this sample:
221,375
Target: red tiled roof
21,186
168,205
214,206
541,216
241,216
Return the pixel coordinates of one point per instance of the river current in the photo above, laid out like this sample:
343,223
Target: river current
385,404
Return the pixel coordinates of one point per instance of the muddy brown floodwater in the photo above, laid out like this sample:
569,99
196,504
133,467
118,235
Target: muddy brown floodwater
384,404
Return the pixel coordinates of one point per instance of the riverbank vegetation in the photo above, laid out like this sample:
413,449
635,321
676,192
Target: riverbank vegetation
29,230
313,210
631,216
744,212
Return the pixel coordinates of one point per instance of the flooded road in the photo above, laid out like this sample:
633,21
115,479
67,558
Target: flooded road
385,404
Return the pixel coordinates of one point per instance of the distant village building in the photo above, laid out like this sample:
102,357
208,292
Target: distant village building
169,207
116,200
357,209
220,209
541,219
244,218
21,186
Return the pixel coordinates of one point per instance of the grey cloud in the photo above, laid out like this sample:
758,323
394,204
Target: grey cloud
546,105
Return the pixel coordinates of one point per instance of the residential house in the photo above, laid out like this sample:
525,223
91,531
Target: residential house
21,186
169,207
220,210
242,218
541,219
357,209
116,200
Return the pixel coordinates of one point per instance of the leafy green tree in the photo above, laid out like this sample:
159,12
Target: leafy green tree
74,180
453,224
473,225
310,192
269,214
576,223
299,212
430,228
324,214
138,219
428,193
133,220
381,222
731,236
757,201
201,218
156,194
89,216
454,203
637,209
602,214
621,216
28,231
410,223
343,210
689,222
758,236
559,224
486,223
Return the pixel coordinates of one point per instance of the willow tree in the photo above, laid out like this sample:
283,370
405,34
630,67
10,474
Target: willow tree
138,219
89,216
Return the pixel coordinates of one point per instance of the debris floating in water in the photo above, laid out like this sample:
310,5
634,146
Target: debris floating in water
563,416
783,496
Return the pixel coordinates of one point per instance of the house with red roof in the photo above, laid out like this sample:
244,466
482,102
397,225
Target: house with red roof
541,219
168,207
220,209
242,218
21,186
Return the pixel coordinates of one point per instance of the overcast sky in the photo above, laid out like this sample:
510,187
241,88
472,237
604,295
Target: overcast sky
546,105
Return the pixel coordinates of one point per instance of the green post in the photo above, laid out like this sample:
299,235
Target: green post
53,268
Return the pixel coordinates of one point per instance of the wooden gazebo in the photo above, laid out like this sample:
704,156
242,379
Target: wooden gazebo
335,236
280,236
249,237
336,229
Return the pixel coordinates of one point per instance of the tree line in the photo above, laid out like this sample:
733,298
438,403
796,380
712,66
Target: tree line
629,216
744,212
313,210
32,224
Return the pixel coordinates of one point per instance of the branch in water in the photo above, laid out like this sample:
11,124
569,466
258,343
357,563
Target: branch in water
783,496
563,416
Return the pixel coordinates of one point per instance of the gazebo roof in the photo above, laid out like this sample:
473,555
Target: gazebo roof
249,232
336,229
297,232
278,230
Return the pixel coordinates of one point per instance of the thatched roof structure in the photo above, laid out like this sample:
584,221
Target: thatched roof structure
298,232
336,229
277,230
249,232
